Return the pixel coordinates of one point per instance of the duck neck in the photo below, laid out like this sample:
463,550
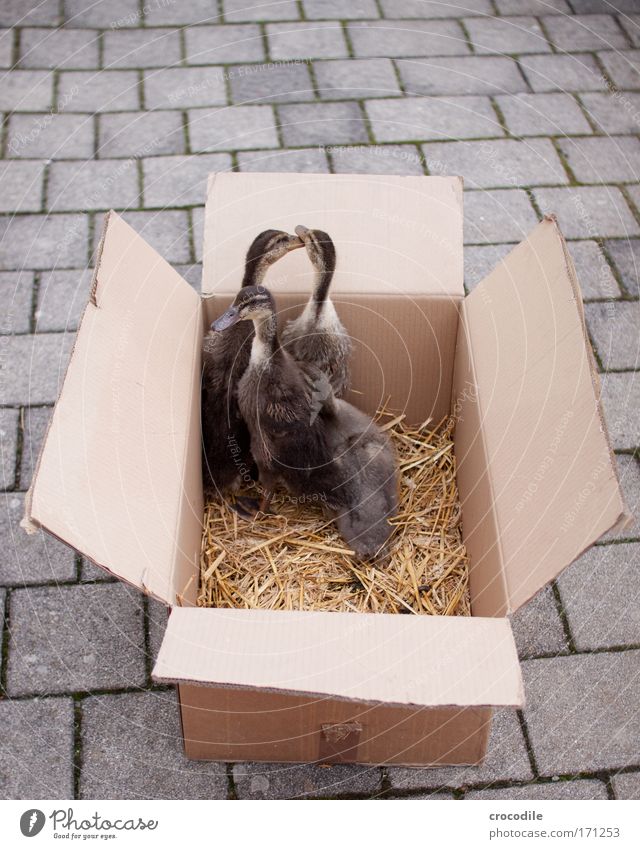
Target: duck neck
254,272
265,342
321,289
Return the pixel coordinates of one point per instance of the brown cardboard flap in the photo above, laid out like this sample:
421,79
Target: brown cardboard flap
119,476
393,235
368,657
552,474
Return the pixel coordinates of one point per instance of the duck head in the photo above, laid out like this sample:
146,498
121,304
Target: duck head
253,303
267,248
320,248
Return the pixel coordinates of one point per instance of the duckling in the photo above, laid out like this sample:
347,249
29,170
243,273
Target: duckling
317,335
225,437
307,440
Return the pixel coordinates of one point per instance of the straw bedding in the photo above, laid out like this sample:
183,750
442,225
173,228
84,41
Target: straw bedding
294,559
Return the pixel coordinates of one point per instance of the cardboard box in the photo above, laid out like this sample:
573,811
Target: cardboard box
119,478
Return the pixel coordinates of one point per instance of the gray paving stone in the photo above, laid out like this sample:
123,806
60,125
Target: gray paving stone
181,88
197,229
615,330
322,123
323,9
588,211
306,40
8,447
600,594
310,159
506,760
58,48
271,82
480,260
15,301
13,12
105,185
220,44
21,186
36,752
623,67
90,572
626,785
108,15
418,118
586,6
507,35
584,32
167,231
180,180
36,421
616,112
498,215
631,25
531,7
621,400
402,39
82,637
594,273
39,364
629,476
377,159
106,91
433,8
6,48
581,711
626,257
576,789
280,10
192,273
603,160
50,136
193,12
62,297
563,72
461,75
140,48
140,134
542,114
30,558
26,91
132,749
237,128
43,241
296,781
537,626
505,162
356,78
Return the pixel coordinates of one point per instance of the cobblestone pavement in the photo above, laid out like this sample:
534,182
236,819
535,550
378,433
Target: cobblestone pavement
127,104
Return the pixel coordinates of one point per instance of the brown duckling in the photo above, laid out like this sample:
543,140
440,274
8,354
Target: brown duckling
318,336
305,439
225,438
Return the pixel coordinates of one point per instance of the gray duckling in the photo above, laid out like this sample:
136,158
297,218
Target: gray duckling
318,336
225,437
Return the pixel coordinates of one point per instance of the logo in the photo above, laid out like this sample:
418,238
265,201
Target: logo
32,822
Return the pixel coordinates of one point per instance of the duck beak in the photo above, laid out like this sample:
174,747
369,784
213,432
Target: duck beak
227,319
295,242
302,231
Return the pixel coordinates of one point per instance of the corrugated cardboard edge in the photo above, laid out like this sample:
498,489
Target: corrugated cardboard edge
28,523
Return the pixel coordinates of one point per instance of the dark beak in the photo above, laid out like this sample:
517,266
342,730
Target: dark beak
227,319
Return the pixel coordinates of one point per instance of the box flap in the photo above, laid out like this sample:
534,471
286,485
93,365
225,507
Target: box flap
404,660
393,235
119,476
553,480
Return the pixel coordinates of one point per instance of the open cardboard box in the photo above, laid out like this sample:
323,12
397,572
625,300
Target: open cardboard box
119,477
